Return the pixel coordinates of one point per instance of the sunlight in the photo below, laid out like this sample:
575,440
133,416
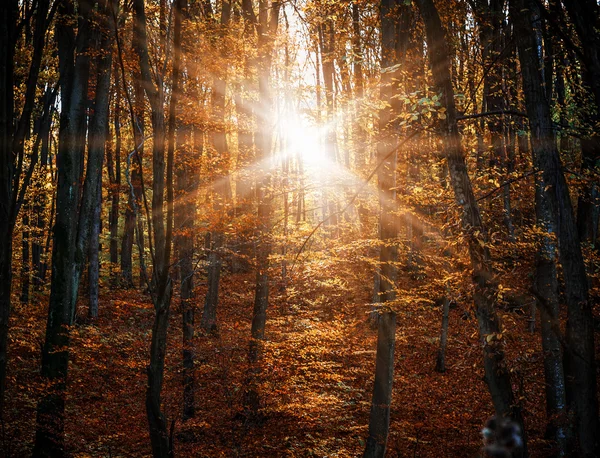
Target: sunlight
304,140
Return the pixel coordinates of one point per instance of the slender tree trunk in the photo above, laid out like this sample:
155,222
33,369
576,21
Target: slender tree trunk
360,134
580,361
92,193
497,376
185,214
13,180
113,165
40,206
268,31
388,232
8,15
379,422
134,228
49,441
585,15
94,260
25,257
162,232
221,188
546,284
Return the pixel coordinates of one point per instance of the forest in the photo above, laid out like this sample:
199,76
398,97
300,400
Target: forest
299,228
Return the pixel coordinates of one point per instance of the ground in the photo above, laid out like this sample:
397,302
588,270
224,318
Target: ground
315,382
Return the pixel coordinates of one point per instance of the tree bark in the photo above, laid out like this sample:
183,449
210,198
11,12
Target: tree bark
93,256
49,440
585,15
90,208
13,179
497,376
580,362
161,285
267,31
221,186
546,285
386,274
113,165
379,422
25,257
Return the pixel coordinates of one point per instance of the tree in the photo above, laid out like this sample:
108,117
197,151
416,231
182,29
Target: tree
580,354
388,231
71,231
14,178
161,286
221,184
497,376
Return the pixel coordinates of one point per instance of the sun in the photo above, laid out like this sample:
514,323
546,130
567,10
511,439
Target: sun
304,140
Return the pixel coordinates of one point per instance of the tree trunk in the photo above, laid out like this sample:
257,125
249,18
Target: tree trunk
38,252
13,182
580,363
221,187
25,257
91,205
546,284
49,440
133,232
267,32
113,165
161,285
360,134
9,11
385,279
379,422
497,376
93,256
585,15
157,422
209,316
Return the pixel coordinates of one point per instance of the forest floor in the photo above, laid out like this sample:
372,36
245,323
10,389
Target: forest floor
315,384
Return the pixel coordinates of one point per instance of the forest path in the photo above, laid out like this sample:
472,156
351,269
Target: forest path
315,385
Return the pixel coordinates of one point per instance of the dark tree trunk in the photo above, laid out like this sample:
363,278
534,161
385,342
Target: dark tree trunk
497,376
161,285
157,421
585,15
38,252
385,276
49,439
490,16
244,187
185,214
25,257
13,133
580,363
209,316
546,285
360,134
379,422
221,187
93,255
386,175
133,232
113,165
267,30
268,27
91,205
8,10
